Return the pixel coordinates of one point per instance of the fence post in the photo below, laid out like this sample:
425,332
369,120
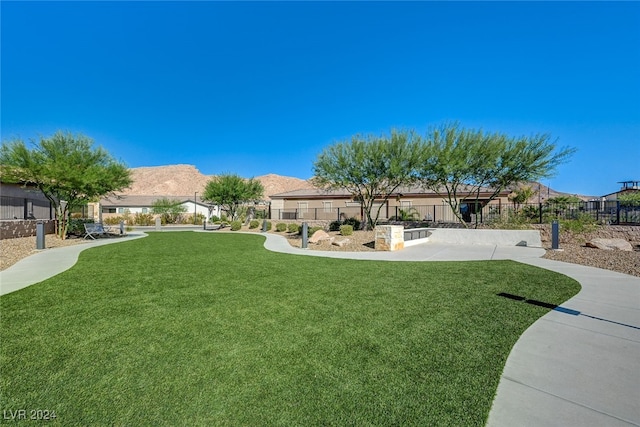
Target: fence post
540,212
618,212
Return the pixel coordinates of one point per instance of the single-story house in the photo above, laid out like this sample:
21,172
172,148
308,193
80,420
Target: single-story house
18,201
406,203
120,205
627,187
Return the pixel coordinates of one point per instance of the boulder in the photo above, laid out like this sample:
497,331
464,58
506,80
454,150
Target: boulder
319,236
610,244
340,243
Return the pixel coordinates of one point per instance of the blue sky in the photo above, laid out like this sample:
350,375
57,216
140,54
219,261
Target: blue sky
257,88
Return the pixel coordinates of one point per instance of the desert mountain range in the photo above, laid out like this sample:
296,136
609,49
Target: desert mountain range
185,180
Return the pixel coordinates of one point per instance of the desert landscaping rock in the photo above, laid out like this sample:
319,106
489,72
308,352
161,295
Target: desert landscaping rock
319,236
610,244
340,243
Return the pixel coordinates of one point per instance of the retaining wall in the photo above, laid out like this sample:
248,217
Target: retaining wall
486,237
12,229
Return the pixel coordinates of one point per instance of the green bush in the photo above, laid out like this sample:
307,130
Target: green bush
355,223
335,226
236,225
214,218
76,226
293,228
281,226
346,230
313,230
254,223
582,223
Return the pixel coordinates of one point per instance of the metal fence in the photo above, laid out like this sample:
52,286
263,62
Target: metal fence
25,208
608,212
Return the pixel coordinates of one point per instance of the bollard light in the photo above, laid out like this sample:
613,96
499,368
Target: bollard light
555,235
40,235
305,235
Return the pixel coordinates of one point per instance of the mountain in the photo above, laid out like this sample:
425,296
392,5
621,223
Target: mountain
185,180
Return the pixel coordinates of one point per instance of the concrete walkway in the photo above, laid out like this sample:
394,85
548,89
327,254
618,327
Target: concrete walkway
49,262
577,367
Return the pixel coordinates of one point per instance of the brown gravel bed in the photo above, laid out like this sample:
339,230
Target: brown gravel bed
13,250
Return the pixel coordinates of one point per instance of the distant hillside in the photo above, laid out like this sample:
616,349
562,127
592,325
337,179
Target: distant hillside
549,193
185,180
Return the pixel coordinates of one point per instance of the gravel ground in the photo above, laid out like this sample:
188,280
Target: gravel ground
573,251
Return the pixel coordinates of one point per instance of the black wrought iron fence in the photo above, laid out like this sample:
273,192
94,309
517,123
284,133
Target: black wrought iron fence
607,212
25,208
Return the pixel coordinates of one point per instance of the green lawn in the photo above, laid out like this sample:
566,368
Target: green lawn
206,329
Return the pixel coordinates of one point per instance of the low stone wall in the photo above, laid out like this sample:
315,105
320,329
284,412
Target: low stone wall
13,229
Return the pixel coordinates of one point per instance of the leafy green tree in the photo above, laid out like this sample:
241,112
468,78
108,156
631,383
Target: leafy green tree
230,191
461,164
169,210
68,170
369,168
629,199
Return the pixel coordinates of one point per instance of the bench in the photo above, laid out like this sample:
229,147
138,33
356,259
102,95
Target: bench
95,229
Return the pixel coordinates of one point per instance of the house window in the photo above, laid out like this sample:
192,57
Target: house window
145,210
303,207
327,206
120,210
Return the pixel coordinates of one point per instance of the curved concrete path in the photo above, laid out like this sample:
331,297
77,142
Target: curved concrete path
578,365
49,262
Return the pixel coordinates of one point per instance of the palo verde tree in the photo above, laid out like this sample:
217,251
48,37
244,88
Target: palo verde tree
459,164
370,168
230,191
66,168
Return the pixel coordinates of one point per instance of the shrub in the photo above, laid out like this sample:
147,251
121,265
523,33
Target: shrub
268,225
214,218
236,225
293,228
355,223
346,230
254,223
143,219
314,229
76,226
281,226
112,220
335,226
